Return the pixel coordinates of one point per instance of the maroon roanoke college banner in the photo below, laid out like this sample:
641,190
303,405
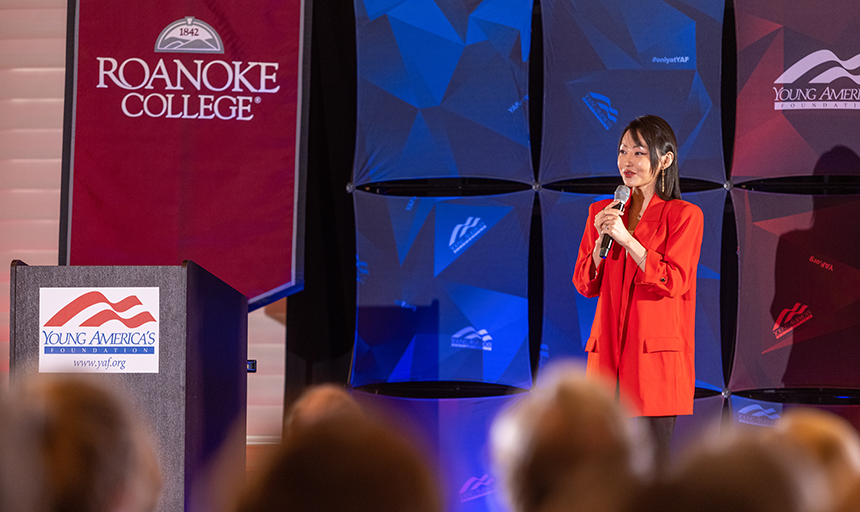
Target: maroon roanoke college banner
183,139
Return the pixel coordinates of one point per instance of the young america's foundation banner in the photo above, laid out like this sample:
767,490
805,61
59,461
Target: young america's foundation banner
182,139
798,89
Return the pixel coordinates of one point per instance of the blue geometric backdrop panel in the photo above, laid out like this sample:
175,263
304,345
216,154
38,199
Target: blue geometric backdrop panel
609,61
568,315
456,432
703,423
442,89
442,289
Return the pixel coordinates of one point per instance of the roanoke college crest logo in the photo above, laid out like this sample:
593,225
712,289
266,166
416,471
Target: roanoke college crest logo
98,330
185,88
189,35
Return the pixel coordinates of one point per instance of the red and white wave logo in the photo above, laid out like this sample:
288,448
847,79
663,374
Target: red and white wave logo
819,81
790,318
112,312
98,330
474,488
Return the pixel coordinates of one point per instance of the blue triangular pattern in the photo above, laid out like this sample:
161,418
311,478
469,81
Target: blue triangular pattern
364,362
690,143
457,13
380,63
715,10
516,14
517,373
421,152
385,356
612,56
512,13
403,370
460,365
699,105
705,385
430,61
426,15
704,272
585,308
559,344
485,308
456,217
507,361
475,35
407,225
649,26
681,43
501,37
491,82
377,8
699,101
441,132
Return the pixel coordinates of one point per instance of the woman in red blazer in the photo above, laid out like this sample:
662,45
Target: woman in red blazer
643,332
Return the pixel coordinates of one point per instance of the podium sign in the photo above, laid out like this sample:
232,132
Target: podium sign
172,339
93,330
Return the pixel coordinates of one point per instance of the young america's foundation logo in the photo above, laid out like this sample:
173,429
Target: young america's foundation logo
469,337
91,330
601,107
758,415
813,83
790,318
464,233
474,488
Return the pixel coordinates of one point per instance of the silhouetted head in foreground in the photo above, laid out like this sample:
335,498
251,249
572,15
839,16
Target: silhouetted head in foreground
345,462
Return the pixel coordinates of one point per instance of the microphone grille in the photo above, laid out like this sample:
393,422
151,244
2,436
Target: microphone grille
622,193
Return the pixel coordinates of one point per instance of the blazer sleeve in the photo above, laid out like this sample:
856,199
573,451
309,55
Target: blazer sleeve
672,273
586,278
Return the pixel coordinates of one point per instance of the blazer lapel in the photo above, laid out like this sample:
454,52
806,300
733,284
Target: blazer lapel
650,221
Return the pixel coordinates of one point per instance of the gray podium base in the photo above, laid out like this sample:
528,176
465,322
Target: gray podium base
196,403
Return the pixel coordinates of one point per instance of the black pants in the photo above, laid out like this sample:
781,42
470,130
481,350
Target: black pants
659,429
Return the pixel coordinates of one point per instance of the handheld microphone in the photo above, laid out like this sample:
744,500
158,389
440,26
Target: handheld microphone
622,194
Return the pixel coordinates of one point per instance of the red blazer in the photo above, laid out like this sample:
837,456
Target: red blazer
644,326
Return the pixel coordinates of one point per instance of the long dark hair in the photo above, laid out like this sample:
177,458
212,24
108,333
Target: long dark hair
655,133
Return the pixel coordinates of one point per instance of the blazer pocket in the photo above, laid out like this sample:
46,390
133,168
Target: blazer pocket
671,344
591,345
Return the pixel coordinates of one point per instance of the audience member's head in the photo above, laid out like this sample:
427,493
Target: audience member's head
737,472
95,455
319,402
569,437
345,462
20,474
850,502
829,439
